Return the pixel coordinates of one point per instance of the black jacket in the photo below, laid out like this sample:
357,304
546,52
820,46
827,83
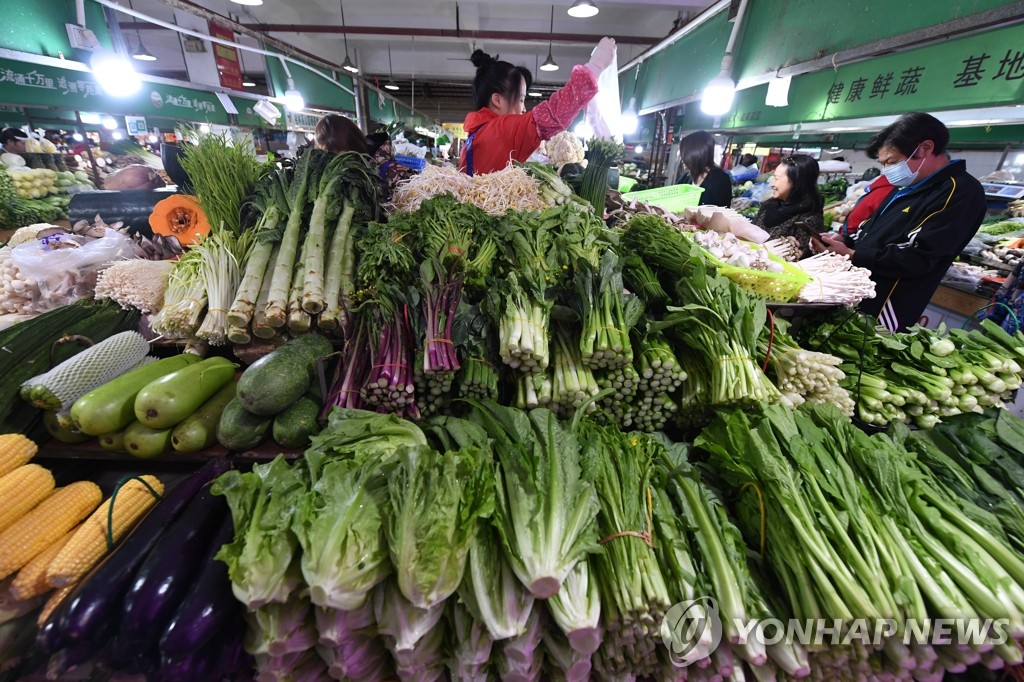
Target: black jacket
717,186
909,243
802,225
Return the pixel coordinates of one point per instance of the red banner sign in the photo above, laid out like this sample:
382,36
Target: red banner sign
229,62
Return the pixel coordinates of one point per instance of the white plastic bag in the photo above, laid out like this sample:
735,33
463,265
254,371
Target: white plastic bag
603,114
64,266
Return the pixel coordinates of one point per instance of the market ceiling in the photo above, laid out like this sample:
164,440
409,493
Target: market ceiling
430,40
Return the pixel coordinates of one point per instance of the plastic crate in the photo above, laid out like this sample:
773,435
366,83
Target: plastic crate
777,287
625,183
671,198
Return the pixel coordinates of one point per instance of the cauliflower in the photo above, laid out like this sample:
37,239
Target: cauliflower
564,148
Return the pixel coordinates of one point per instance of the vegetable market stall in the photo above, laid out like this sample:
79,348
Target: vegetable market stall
486,353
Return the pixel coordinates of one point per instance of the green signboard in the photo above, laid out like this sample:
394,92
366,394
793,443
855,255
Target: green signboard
318,92
983,70
27,84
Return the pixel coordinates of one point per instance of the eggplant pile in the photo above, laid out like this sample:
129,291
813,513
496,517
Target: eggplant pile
160,605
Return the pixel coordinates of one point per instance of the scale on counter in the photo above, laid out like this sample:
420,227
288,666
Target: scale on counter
996,190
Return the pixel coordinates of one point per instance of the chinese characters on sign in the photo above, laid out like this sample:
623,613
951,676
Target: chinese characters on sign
191,103
34,79
229,63
972,71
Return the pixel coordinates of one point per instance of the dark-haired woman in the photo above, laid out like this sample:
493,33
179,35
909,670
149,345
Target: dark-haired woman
795,209
336,134
697,150
500,130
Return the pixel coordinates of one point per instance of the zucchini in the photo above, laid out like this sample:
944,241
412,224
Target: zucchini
144,442
111,407
199,431
169,400
275,382
294,427
113,442
239,429
60,433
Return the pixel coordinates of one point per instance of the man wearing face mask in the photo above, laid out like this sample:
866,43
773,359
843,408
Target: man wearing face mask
910,241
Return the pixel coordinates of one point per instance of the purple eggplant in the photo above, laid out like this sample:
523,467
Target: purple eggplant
100,594
209,603
202,664
167,573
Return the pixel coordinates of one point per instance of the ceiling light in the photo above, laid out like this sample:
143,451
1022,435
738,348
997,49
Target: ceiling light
581,9
249,3
153,139
534,93
629,121
114,73
293,100
639,149
248,84
549,63
718,95
391,86
109,123
117,135
77,137
142,54
347,64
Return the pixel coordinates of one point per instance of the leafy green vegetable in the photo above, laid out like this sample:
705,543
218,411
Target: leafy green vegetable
339,527
262,561
435,501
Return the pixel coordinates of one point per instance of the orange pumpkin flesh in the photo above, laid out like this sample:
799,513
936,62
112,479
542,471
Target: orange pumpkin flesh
179,216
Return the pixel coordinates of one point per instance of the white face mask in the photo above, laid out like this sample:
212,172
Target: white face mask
899,173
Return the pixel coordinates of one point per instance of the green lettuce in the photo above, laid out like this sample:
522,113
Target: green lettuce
338,525
261,560
490,590
544,509
435,501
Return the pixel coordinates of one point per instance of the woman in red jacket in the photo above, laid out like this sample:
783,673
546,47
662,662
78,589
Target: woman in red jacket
500,130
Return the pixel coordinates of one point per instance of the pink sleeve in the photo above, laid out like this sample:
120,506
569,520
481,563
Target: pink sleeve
561,109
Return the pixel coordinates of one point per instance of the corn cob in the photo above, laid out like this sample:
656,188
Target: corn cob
15,451
90,542
11,608
53,602
31,579
79,374
21,490
41,527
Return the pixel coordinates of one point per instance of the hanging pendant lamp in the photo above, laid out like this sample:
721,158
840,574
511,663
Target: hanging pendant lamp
549,63
347,64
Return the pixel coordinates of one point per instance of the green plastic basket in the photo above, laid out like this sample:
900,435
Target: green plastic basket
626,183
671,198
777,287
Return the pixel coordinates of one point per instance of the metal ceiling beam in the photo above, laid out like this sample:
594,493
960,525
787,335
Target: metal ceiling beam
254,30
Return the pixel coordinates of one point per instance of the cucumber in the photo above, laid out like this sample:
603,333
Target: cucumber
113,442
275,382
144,442
111,407
294,426
199,431
169,400
64,435
239,429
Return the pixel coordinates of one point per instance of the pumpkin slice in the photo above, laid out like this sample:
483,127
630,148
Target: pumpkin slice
180,216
